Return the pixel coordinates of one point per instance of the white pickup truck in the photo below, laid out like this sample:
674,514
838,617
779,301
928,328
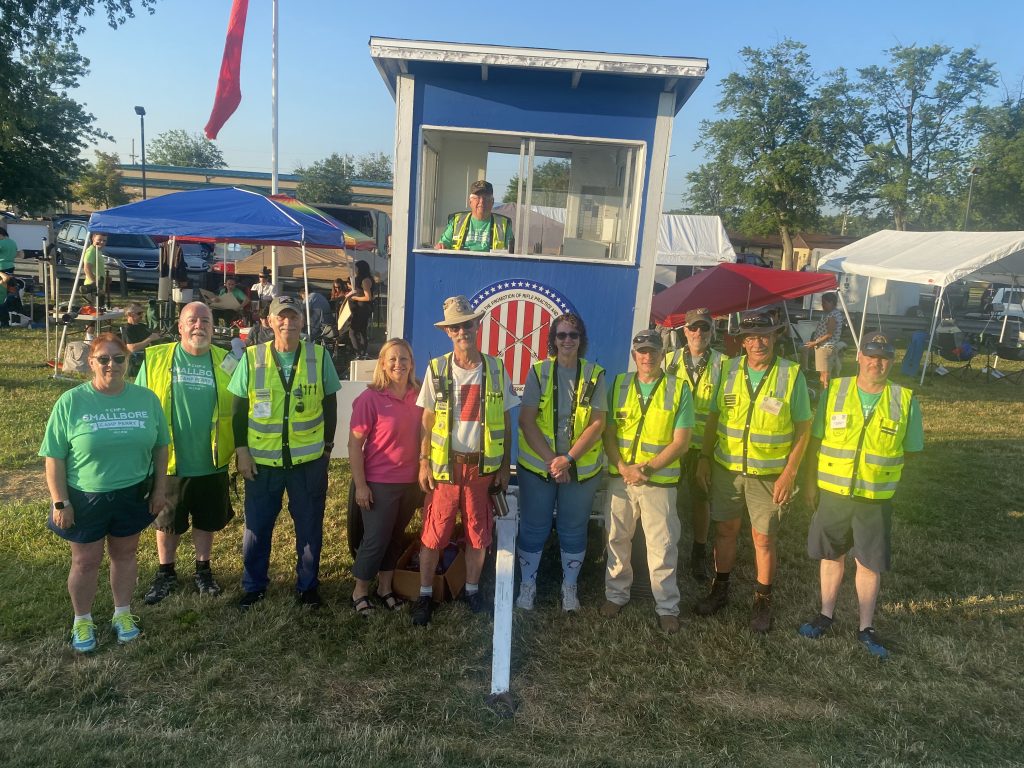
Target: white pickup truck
1009,301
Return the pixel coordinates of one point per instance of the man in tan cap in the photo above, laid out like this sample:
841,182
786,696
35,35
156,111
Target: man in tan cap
860,434
478,229
755,436
465,450
701,366
652,415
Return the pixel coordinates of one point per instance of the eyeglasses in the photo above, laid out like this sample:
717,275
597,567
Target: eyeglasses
563,335
878,349
699,328
106,359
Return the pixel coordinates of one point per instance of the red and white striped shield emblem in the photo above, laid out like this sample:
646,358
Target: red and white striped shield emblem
518,314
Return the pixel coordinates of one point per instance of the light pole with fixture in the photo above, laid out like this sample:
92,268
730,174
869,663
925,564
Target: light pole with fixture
141,112
975,170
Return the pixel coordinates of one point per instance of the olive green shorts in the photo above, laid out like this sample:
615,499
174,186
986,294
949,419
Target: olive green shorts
733,493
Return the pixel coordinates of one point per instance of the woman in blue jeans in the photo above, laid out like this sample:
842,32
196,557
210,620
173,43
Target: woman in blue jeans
561,457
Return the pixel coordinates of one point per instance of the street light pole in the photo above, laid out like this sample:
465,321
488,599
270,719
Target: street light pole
141,112
975,170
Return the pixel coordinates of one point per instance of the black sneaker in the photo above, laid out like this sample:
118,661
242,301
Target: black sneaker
249,599
422,610
163,584
761,614
715,600
699,569
475,601
206,584
310,599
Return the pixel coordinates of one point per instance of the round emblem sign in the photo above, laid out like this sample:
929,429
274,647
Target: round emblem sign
514,328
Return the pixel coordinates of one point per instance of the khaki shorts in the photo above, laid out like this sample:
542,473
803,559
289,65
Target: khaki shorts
733,493
823,357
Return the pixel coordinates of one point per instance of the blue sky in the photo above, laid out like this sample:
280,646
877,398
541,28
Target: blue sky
332,98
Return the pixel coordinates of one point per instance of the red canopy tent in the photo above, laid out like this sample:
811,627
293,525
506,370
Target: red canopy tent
732,288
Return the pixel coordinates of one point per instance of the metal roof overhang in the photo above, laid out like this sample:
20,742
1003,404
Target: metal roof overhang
679,75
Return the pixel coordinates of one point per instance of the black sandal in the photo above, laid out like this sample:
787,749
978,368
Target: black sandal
363,607
391,601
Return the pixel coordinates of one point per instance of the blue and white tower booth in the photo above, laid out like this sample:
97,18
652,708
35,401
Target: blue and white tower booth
576,144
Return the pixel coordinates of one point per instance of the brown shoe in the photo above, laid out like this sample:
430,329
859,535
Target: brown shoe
761,614
610,610
669,624
715,600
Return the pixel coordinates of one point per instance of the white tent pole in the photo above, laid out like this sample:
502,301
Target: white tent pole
46,298
71,301
864,313
1006,317
305,286
849,322
931,336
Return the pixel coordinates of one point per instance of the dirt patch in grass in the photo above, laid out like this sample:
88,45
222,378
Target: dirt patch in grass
24,484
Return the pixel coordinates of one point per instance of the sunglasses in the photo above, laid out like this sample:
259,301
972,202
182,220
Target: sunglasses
753,323
468,325
878,349
563,335
107,359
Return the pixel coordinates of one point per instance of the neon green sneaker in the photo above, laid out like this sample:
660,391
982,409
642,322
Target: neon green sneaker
83,636
127,627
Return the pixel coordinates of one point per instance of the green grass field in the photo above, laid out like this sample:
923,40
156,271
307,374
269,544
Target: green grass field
207,686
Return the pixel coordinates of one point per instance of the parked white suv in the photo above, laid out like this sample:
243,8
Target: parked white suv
1009,301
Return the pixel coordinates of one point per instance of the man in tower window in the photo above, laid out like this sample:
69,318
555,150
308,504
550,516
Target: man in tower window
478,229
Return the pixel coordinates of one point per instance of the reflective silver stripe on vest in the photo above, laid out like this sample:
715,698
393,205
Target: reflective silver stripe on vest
310,362
730,383
258,453
716,367
838,453
260,360
667,472
436,439
757,437
545,374
267,429
624,387
308,424
307,450
766,463
862,485
729,431
883,461
895,402
652,448
625,443
844,388
782,382
497,434
671,383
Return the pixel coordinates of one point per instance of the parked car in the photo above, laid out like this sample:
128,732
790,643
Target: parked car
196,257
753,259
137,254
1009,302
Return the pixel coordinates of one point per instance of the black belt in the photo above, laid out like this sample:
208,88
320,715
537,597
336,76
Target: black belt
466,458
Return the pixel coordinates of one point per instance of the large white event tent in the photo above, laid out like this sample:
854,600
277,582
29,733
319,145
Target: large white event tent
931,258
690,241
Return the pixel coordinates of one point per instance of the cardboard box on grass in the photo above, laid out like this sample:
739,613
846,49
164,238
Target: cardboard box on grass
447,585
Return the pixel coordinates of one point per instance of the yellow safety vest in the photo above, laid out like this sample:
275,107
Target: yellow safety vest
752,439
642,436
858,457
492,417
703,389
590,463
500,226
159,360
280,418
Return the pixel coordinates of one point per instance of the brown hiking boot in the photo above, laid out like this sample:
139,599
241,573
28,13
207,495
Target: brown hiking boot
610,610
715,600
761,614
669,624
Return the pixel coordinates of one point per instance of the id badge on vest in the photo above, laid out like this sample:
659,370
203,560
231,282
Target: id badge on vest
771,405
838,421
228,364
261,408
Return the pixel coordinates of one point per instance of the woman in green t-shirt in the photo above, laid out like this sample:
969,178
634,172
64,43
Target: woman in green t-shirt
105,440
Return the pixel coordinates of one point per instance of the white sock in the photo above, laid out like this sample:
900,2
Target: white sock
571,564
529,562
83,617
426,591
119,609
472,589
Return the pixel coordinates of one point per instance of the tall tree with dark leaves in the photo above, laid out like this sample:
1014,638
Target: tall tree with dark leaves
998,199
184,149
327,181
100,183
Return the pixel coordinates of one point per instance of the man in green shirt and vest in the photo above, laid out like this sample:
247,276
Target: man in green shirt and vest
755,437
649,429
478,229
700,365
285,415
191,379
861,433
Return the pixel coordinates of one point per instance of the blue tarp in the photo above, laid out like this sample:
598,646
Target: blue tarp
219,215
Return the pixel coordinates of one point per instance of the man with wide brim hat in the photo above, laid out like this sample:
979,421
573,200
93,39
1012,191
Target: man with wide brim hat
755,436
466,440
861,432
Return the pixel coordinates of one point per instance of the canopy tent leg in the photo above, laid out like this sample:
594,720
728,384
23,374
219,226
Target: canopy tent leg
1002,331
849,321
305,287
45,263
864,314
71,302
500,700
931,336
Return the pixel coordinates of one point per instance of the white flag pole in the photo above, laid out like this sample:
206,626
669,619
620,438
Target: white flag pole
273,132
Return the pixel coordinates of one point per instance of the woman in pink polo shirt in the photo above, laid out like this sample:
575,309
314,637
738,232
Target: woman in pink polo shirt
384,448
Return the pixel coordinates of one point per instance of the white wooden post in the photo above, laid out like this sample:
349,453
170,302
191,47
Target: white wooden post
504,585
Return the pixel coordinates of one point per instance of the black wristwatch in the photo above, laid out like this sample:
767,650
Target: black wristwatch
60,504
646,471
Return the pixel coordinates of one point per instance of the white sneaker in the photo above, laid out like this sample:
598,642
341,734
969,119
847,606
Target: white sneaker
527,594
569,600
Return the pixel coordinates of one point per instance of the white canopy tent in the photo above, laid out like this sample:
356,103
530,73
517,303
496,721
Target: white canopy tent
690,241
930,258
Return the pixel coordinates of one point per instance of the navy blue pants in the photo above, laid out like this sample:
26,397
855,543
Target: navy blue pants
307,495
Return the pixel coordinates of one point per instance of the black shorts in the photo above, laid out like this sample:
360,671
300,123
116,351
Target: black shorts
204,498
842,523
120,513
689,490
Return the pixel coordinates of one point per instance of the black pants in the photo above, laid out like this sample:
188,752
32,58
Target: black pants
357,330
384,527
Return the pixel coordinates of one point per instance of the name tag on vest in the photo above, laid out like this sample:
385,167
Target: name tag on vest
838,421
771,405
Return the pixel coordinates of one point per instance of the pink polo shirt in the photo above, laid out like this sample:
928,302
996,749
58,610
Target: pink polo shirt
392,427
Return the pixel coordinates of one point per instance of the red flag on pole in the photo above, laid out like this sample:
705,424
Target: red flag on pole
229,85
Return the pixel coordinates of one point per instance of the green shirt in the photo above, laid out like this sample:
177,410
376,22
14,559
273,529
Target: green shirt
94,258
913,440
8,252
106,441
478,235
193,401
240,378
685,418
237,292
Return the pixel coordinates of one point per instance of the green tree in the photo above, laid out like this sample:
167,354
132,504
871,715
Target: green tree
184,149
550,184
998,199
42,129
374,166
780,152
100,183
327,181
918,133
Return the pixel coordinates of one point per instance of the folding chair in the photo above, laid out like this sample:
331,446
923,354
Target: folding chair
951,345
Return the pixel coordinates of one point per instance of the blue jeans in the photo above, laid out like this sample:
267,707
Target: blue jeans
307,495
539,499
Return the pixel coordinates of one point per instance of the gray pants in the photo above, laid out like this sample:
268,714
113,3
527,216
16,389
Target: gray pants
384,527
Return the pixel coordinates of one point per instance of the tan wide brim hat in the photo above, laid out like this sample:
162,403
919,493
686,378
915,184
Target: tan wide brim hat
457,310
